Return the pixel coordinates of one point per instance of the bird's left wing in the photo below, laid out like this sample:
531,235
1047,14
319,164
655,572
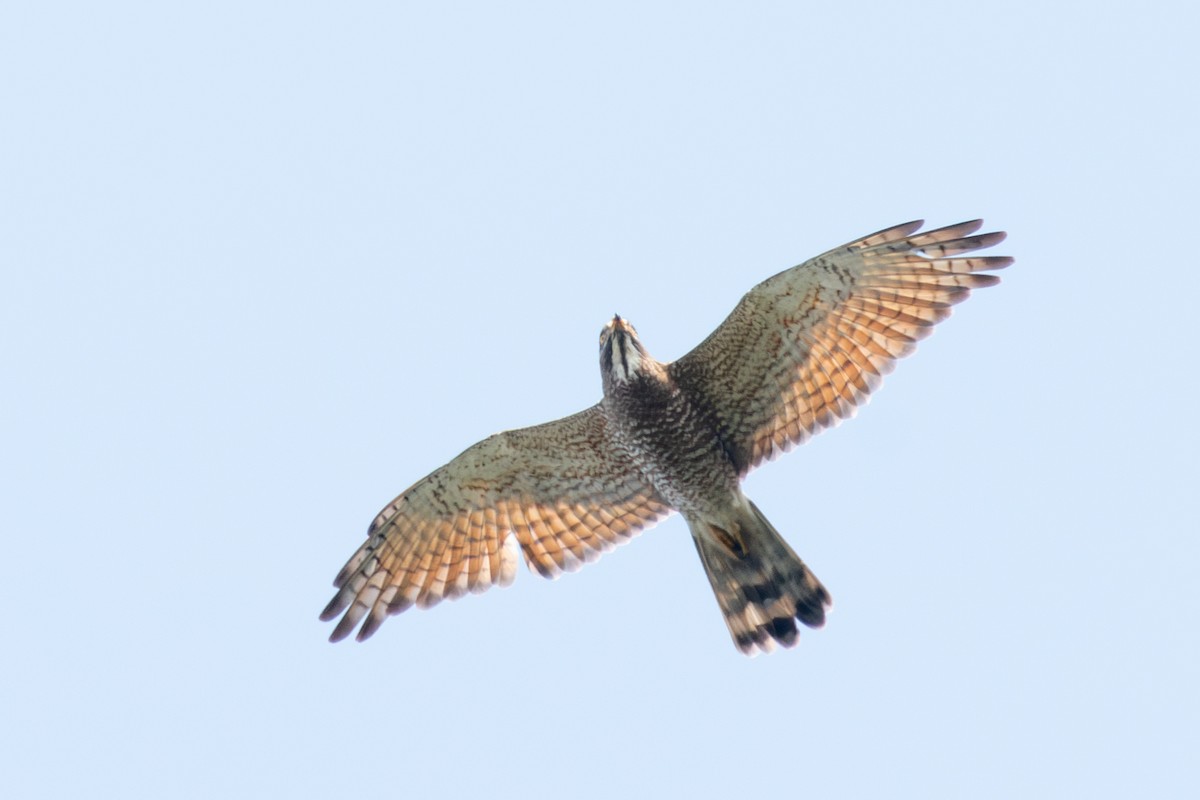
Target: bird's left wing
561,489
804,348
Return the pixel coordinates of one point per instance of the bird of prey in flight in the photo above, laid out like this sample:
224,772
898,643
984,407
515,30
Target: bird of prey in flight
798,354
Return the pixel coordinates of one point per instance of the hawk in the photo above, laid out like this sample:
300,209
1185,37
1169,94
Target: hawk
799,353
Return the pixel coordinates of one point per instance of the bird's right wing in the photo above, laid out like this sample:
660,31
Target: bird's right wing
804,348
561,489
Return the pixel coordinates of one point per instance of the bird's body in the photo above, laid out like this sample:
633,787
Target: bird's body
668,436
799,353
672,437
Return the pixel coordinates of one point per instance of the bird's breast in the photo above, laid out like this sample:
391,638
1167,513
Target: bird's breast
674,445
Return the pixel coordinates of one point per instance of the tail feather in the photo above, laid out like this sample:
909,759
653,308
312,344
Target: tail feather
761,585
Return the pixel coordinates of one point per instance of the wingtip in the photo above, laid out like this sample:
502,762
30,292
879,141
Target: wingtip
334,607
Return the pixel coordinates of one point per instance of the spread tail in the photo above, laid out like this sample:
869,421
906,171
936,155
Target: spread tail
761,585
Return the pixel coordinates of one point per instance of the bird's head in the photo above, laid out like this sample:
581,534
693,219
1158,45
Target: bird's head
622,356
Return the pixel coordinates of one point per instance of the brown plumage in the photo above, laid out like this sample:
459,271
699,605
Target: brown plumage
798,354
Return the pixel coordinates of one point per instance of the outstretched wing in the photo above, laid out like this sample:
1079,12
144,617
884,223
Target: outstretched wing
561,489
804,348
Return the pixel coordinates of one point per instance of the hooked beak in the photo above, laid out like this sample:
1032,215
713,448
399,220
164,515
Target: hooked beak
622,355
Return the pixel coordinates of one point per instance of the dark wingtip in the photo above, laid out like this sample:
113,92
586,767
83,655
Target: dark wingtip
369,626
989,239
335,606
344,627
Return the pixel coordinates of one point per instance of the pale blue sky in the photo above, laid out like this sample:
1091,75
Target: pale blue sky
266,264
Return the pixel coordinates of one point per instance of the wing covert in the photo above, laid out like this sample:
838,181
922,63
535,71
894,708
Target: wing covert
806,347
559,491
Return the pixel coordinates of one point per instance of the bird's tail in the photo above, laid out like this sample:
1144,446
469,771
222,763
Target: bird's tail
761,585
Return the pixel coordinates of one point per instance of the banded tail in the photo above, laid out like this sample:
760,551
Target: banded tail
761,585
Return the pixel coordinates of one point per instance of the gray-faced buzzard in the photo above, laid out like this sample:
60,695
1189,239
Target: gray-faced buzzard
798,354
